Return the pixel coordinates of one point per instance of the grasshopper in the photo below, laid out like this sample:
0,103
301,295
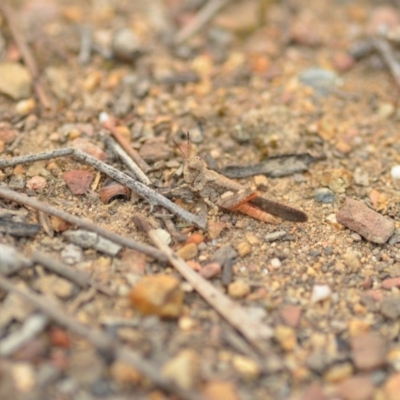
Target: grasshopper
217,189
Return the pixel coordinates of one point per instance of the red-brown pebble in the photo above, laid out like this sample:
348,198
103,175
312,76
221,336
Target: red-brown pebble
59,337
356,388
342,61
210,270
368,351
390,283
78,181
195,238
314,392
368,223
291,315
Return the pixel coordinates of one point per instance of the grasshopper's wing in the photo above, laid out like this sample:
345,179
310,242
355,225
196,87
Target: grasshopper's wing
230,200
278,209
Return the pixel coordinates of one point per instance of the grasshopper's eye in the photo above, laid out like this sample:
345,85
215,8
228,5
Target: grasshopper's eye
195,163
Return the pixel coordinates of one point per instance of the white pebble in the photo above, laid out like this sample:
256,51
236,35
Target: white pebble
103,117
395,172
320,292
275,263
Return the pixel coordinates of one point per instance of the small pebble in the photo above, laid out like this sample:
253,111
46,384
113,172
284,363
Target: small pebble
248,369
159,295
24,377
390,307
188,252
243,249
36,183
271,237
25,107
215,228
368,351
125,45
392,387
217,390
238,289
124,374
275,263
358,387
16,81
390,283
252,238
72,254
356,216
183,369
286,337
338,372
210,270
78,181
320,293
324,196
395,172
291,315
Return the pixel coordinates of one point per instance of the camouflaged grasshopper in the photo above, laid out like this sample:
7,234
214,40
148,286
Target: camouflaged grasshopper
217,189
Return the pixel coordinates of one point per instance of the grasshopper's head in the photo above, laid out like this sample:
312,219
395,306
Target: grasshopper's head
192,168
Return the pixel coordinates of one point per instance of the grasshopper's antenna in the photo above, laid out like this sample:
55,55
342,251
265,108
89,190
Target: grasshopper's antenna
185,156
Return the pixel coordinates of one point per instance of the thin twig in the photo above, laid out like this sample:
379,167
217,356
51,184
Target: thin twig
109,125
237,316
128,161
26,53
201,19
85,45
29,158
386,52
142,190
63,270
82,223
101,340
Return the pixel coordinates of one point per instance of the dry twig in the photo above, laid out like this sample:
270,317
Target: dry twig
254,331
142,190
386,52
26,53
101,340
82,223
63,270
128,161
201,19
126,146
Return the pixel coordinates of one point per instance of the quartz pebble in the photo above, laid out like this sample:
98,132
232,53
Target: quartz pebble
356,216
390,283
395,172
320,293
